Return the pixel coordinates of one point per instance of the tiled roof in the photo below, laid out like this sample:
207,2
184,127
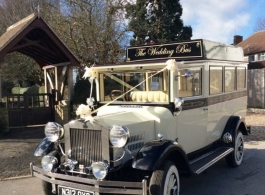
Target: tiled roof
33,37
254,44
14,30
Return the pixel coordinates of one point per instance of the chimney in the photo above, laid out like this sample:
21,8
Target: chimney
237,39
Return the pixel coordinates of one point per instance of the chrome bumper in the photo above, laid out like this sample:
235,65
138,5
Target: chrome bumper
108,187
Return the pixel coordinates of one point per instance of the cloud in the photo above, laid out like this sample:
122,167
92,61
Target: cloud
215,20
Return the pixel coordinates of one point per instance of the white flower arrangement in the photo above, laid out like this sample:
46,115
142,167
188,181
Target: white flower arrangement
84,111
90,73
172,65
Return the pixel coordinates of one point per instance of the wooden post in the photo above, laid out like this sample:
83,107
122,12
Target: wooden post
56,84
1,95
45,80
70,84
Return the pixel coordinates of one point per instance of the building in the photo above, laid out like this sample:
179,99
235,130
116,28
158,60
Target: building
254,52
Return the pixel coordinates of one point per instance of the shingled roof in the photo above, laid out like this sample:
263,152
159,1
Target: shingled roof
33,37
254,44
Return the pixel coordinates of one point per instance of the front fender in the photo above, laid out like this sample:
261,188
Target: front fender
45,146
153,153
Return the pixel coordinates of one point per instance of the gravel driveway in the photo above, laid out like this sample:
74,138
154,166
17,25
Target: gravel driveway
17,146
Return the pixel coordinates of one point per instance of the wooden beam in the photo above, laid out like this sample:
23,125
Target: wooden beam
56,65
64,82
50,80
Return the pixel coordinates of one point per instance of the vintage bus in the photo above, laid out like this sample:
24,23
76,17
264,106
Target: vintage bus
170,110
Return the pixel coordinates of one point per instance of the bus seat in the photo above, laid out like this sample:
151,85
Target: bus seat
149,96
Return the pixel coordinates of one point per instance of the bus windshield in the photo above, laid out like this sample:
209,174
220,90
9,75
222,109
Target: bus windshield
148,86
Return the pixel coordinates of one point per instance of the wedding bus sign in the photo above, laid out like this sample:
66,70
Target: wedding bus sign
191,49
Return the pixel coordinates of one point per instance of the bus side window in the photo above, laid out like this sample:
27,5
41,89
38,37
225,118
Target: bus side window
191,85
230,78
241,78
216,80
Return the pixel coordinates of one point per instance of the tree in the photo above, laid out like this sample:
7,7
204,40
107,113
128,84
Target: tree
260,24
93,30
22,70
156,21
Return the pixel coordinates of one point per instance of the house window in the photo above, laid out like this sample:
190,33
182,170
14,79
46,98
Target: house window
251,58
262,57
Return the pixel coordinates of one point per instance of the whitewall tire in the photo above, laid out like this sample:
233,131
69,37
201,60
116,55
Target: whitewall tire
236,157
165,181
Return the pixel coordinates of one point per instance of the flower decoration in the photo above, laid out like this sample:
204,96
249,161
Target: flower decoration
90,73
84,111
171,65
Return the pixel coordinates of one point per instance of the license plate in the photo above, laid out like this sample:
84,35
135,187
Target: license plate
62,190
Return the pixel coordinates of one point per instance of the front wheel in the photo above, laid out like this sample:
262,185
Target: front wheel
165,181
236,157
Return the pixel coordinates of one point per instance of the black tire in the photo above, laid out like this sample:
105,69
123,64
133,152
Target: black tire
236,157
165,180
47,188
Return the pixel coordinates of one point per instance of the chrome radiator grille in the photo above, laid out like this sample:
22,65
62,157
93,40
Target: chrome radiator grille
86,145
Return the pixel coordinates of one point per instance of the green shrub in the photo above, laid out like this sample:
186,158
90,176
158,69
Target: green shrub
7,87
33,90
81,91
23,90
42,89
15,90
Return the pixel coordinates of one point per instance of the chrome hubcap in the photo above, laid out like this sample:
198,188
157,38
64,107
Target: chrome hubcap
172,187
239,149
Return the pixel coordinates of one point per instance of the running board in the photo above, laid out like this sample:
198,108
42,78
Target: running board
204,162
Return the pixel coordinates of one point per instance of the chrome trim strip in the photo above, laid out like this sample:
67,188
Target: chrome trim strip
111,187
144,182
203,156
214,161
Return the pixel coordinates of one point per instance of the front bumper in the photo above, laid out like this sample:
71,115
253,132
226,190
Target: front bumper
108,187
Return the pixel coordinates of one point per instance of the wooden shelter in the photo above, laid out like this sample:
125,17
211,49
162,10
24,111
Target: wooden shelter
33,37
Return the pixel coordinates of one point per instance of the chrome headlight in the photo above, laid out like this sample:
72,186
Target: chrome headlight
49,162
53,131
119,136
100,169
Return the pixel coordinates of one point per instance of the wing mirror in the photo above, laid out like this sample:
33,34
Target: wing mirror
178,103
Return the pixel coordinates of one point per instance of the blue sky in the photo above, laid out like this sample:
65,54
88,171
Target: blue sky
220,20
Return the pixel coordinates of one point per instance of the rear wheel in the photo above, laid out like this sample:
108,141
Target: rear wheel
165,181
236,157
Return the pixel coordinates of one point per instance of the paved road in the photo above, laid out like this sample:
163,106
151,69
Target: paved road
248,179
